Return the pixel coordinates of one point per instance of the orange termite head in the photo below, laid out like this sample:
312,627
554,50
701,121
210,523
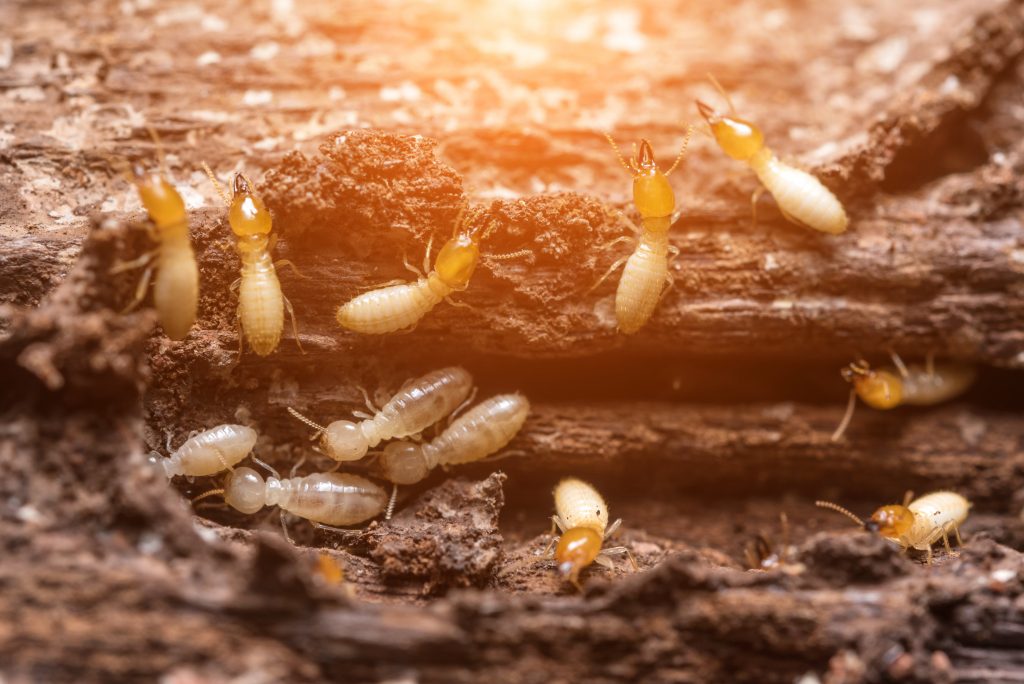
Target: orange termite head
892,521
652,192
159,198
738,138
576,549
458,259
248,215
878,389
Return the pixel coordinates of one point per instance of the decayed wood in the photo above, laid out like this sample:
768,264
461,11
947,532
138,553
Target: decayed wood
106,573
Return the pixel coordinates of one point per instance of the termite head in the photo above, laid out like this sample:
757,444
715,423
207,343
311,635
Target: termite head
245,490
402,463
738,138
878,389
892,521
577,548
457,260
344,441
652,192
248,215
159,198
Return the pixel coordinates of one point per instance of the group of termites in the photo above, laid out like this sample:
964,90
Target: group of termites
333,499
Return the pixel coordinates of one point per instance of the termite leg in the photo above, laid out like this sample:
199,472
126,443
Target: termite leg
391,502
618,215
241,335
337,530
908,496
945,540
426,255
626,552
295,468
613,528
169,435
898,362
394,281
284,527
619,240
140,290
614,267
122,266
463,405
754,199
295,324
929,363
288,262
956,532
605,562
461,305
847,417
367,400
269,468
234,285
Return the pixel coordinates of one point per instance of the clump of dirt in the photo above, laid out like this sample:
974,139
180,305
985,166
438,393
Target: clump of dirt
363,183
447,538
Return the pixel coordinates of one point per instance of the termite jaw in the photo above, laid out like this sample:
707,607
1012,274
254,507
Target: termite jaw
565,568
707,111
872,526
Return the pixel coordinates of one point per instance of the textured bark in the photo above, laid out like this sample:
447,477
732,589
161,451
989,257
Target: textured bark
700,430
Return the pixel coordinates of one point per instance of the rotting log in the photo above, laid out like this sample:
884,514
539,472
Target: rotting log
107,575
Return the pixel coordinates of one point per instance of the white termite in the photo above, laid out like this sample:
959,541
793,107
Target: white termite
209,452
917,524
480,432
418,405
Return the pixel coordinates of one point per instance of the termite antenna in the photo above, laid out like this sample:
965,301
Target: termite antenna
682,150
216,184
847,417
618,152
461,216
307,421
510,255
839,509
159,148
205,495
723,91
391,502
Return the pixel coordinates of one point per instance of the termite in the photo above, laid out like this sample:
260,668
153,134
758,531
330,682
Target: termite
645,278
916,385
917,524
176,286
801,197
417,406
582,518
480,432
208,452
261,304
401,306
332,499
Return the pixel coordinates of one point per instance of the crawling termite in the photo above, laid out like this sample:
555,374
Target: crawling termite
582,518
261,304
418,405
208,452
801,197
176,286
401,306
645,277
915,385
481,431
333,499
916,524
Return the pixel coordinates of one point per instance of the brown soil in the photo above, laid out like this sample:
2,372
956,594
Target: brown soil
367,127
